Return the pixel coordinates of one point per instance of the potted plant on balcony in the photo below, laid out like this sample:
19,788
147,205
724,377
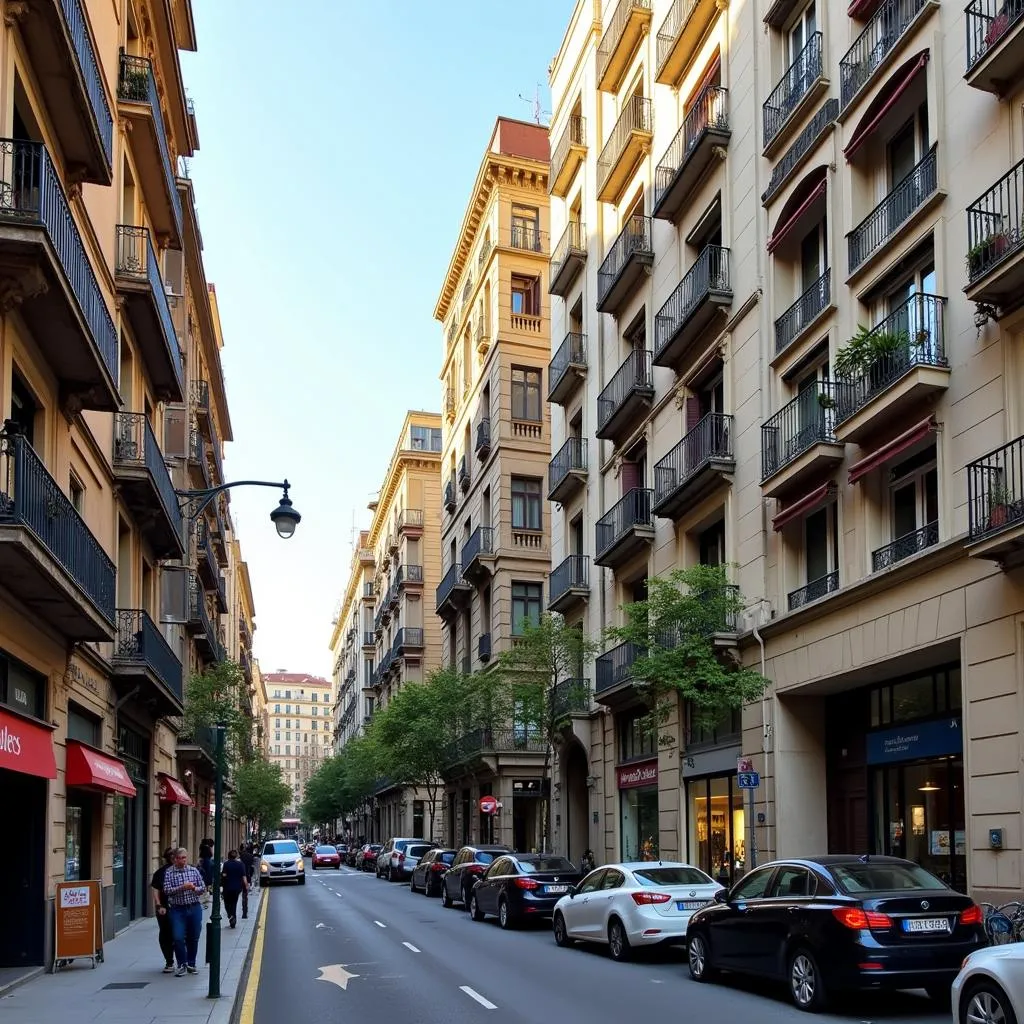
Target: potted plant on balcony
998,502
986,252
1000,23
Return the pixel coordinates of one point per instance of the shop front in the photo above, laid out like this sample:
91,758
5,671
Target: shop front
172,796
529,804
637,784
716,842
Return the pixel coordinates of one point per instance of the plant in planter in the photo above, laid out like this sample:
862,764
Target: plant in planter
869,353
135,85
987,251
1000,23
998,501
825,400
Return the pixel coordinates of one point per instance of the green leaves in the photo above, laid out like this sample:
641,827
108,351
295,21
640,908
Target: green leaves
218,696
260,793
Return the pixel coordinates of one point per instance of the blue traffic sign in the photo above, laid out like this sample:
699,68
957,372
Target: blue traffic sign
748,780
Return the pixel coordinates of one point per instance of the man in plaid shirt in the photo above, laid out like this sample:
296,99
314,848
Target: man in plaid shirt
183,889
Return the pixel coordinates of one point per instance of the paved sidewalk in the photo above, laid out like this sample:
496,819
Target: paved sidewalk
133,960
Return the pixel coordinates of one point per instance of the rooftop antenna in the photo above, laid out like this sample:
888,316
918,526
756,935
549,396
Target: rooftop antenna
538,112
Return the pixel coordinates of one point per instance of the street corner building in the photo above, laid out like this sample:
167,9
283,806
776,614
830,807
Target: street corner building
111,396
785,319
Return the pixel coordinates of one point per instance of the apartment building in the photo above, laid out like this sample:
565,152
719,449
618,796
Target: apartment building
791,344
299,716
496,442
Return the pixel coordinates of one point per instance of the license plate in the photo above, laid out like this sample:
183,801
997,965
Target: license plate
690,904
926,924
556,888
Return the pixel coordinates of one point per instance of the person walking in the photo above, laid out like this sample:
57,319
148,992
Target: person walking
163,919
183,889
206,867
234,883
246,857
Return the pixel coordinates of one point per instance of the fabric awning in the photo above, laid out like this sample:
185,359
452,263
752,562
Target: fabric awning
171,791
894,88
861,8
26,747
899,444
783,230
808,503
90,769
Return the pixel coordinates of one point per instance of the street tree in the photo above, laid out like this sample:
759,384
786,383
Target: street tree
217,696
261,794
323,797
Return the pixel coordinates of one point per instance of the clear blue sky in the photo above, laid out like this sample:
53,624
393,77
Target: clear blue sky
339,142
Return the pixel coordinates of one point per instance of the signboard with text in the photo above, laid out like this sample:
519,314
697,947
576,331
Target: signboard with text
78,927
936,738
632,776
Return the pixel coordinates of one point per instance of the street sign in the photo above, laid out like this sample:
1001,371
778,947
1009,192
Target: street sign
488,804
744,764
748,780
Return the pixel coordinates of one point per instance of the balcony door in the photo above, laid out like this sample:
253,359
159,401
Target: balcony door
821,548
815,420
915,495
711,544
919,320
802,67
813,256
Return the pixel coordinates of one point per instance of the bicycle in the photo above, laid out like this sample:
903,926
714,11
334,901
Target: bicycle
1001,927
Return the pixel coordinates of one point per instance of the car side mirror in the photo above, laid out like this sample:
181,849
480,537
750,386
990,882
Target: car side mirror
721,896
572,892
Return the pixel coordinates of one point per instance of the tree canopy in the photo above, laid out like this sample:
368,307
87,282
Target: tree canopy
260,792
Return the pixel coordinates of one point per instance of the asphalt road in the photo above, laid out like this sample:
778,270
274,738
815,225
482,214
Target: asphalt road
401,956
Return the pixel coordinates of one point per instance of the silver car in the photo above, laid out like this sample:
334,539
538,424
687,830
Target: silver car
281,861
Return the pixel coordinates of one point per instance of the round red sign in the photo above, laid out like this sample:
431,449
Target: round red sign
488,804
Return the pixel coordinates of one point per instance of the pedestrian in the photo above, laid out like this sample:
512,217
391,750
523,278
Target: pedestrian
184,888
234,882
163,920
206,867
249,861
587,861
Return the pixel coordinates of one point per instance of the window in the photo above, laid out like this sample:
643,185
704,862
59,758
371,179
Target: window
24,408
287,709
753,885
636,738
417,817
315,712
914,494
277,723
821,549
526,394
287,694
76,490
287,748
425,439
316,726
21,688
326,698
526,503
800,35
277,693
525,296
793,881
277,736
526,228
526,605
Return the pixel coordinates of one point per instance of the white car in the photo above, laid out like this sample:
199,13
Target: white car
281,861
990,986
640,903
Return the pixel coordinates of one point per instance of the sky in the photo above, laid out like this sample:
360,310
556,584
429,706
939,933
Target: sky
339,142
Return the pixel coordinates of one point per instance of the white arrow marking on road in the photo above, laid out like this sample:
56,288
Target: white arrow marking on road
336,975
409,945
320,924
485,1003
380,924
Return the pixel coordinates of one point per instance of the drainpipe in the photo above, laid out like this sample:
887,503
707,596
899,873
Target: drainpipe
767,728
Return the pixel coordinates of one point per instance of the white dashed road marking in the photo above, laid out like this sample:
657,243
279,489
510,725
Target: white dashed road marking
409,945
380,924
485,1003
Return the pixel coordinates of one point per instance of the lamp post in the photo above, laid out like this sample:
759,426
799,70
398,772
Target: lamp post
213,944
285,518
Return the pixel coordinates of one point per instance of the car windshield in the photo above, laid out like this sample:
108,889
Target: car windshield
326,849
446,858
281,847
532,865
868,877
671,876
416,849
401,844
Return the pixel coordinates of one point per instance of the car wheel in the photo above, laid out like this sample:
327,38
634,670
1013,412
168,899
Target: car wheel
986,1001
302,881
474,909
806,988
465,898
699,959
561,932
446,900
392,876
505,918
618,944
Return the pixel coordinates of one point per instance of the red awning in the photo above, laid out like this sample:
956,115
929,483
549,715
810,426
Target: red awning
897,85
808,503
172,791
784,229
910,437
26,747
861,8
90,769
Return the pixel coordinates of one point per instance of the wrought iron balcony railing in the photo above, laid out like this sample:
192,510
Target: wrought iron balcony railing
615,666
497,740
814,301
77,29
451,579
710,112
572,244
140,642
794,85
988,21
804,143
410,519
464,473
483,647
570,697
408,574
995,490
570,458
633,375
711,438
709,274
368,638
574,134
483,437
571,353
481,542
611,38
573,573
631,511
633,239
905,546
199,392
450,501
637,116
409,638
136,444
994,223
807,420
814,591
527,237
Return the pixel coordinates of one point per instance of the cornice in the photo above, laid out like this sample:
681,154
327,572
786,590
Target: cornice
404,461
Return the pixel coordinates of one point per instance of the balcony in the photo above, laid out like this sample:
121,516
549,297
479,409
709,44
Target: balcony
482,336
570,697
527,237
702,295
679,37
567,259
995,243
630,20
629,142
483,647
199,396
206,560
145,484
904,547
701,462
799,441
60,51
628,261
814,591
206,641
567,368
144,661
464,474
482,448
569,584
478,553
198,748
409,639
410,523
490,742
802,82
567,470
625,530
450,501
804,313
570,151
137,274
900,363
995,58
453,592
901,207
368,594
139,101
369,640
613,671
884,35
51,281
804,144
50,562
627,397
995,505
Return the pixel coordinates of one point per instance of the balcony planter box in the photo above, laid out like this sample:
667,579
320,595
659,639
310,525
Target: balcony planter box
986,253
995,31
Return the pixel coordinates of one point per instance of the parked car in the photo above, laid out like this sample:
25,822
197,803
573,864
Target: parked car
326,857
354,853
427,875
391,859
469,864
342,849
281,861
990,986
836,923
367,859
525,885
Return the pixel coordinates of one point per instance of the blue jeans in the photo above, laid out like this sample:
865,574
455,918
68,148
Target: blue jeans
186,926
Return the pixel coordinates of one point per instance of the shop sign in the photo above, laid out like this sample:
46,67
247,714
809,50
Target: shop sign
910,742
78,928
26,747
77,674
632,776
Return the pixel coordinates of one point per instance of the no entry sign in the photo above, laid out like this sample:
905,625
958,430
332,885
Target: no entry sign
488,805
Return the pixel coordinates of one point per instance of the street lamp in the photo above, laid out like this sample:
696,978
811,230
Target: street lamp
284,517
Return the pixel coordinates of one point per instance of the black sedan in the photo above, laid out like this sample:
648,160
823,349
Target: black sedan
469,864
838,923
427,875
522,885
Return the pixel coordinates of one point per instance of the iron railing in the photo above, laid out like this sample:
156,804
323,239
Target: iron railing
199,390
570,458
708,113
31,193
409,636
408,574
637,116
483,437
569,697
814,301
815,590
481,542
635,237
612,35
572,243
367,590
368,638
675,21
995,490
136,444
451,579
629,512
410,519
988,21
807,420
574,134
994,223
464,472
711,438
573,573
634,374
804,143
527,237
204,546
910,336
509,738
902,202
81,42
794,85
571,352
905,546
449,496
709,273
140,642
30,497
615,666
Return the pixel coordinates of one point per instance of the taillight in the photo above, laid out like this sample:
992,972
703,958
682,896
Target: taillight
526,883
475,869
972,915
859,920
645,899
401,857
437,867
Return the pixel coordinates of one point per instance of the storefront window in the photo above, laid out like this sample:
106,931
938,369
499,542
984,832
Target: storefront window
120,876
717,838
639,809
72,843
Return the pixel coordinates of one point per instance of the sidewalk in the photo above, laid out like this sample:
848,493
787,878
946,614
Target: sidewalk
129,988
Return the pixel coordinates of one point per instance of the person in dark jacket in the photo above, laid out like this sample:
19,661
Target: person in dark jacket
163,918
248,859
234,882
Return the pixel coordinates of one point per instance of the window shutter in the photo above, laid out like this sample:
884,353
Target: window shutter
628,477
174,594
693,416
175,432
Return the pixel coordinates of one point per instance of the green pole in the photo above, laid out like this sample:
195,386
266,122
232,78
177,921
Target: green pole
214,989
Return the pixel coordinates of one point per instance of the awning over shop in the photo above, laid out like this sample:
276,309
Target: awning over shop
26,747
888,451
807,504
171,791
89,769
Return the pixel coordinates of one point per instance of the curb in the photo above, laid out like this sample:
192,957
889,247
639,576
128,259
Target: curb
229,1011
